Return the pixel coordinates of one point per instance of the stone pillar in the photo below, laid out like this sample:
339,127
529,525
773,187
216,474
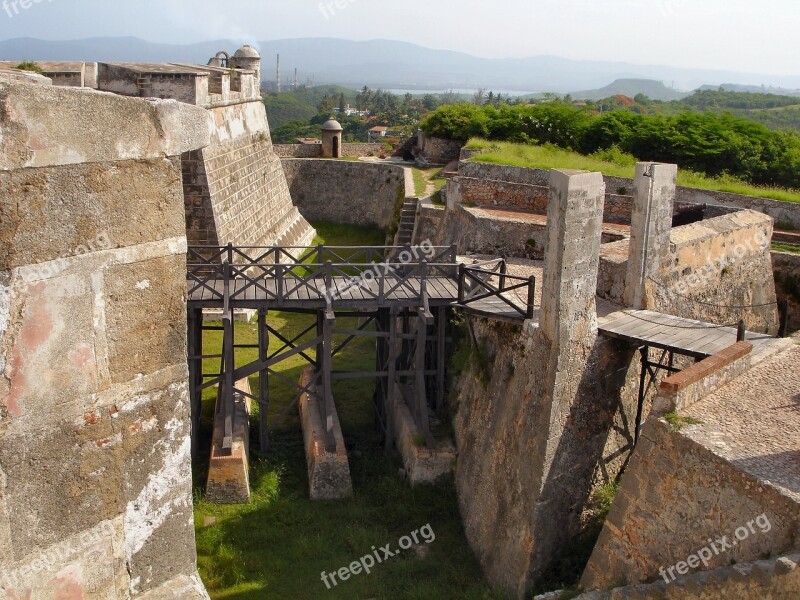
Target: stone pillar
651,223
574,229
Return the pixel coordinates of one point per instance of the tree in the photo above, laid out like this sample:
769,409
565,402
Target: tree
477,99
342,104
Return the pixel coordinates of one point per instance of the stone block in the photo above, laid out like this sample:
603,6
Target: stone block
328,472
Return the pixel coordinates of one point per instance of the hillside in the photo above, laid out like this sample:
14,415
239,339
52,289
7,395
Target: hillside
751,89
300,105
655,90
389,64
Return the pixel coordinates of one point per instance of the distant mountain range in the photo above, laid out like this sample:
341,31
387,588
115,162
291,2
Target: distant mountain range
752,89
391,64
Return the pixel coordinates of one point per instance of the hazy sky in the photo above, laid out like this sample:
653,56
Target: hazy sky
740,35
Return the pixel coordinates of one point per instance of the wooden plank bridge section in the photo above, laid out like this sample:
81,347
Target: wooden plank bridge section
402,298
669,336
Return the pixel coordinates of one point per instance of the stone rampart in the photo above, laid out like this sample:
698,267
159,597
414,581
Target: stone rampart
356,193
95,465
719,202
235,189
698,496
315,150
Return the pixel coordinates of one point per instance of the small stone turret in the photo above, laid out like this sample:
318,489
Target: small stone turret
248,57
332,139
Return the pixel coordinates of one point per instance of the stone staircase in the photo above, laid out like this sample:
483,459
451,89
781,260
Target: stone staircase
408,220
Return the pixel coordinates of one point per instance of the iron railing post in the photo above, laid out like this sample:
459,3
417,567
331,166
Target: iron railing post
531,297
783,309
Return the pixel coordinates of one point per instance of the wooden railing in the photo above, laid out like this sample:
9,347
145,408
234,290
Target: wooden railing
279,273
476,284
319,271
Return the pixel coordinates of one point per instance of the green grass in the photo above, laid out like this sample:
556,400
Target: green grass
423,176
275,547
611,163
782,247
420,183
677,422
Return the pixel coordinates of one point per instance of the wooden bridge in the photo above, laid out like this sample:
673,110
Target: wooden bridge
402,294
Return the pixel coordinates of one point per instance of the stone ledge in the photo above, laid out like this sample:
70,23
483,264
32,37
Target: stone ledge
683,389
774,578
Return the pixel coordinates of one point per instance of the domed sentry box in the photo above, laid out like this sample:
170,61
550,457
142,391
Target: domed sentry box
332,139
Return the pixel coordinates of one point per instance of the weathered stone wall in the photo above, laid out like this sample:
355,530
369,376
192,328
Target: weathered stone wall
517,514
697,496
437,151
356,193
474,231
95,466
775,578
235,188
298,150
553,414
781,212
487,184
786,268
315,150
719,270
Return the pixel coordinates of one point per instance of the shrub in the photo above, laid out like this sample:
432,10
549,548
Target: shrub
29,65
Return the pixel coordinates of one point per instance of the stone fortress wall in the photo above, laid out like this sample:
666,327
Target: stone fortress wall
349,150
94,414
723,259
357,193
235,188
719,203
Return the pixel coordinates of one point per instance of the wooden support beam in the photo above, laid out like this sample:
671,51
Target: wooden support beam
391,386
420,396
441,342
327,383
227,400
195,353
263,382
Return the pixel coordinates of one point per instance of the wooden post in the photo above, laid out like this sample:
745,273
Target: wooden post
263,382
441,340
783,309
327,382
420,397
391,385
531,297
503,272
462,278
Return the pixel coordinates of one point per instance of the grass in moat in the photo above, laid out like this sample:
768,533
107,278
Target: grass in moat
276,546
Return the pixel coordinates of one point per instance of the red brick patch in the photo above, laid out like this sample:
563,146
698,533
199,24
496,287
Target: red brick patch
706,367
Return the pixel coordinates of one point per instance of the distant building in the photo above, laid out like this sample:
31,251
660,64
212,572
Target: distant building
309,141
351,112
379,131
